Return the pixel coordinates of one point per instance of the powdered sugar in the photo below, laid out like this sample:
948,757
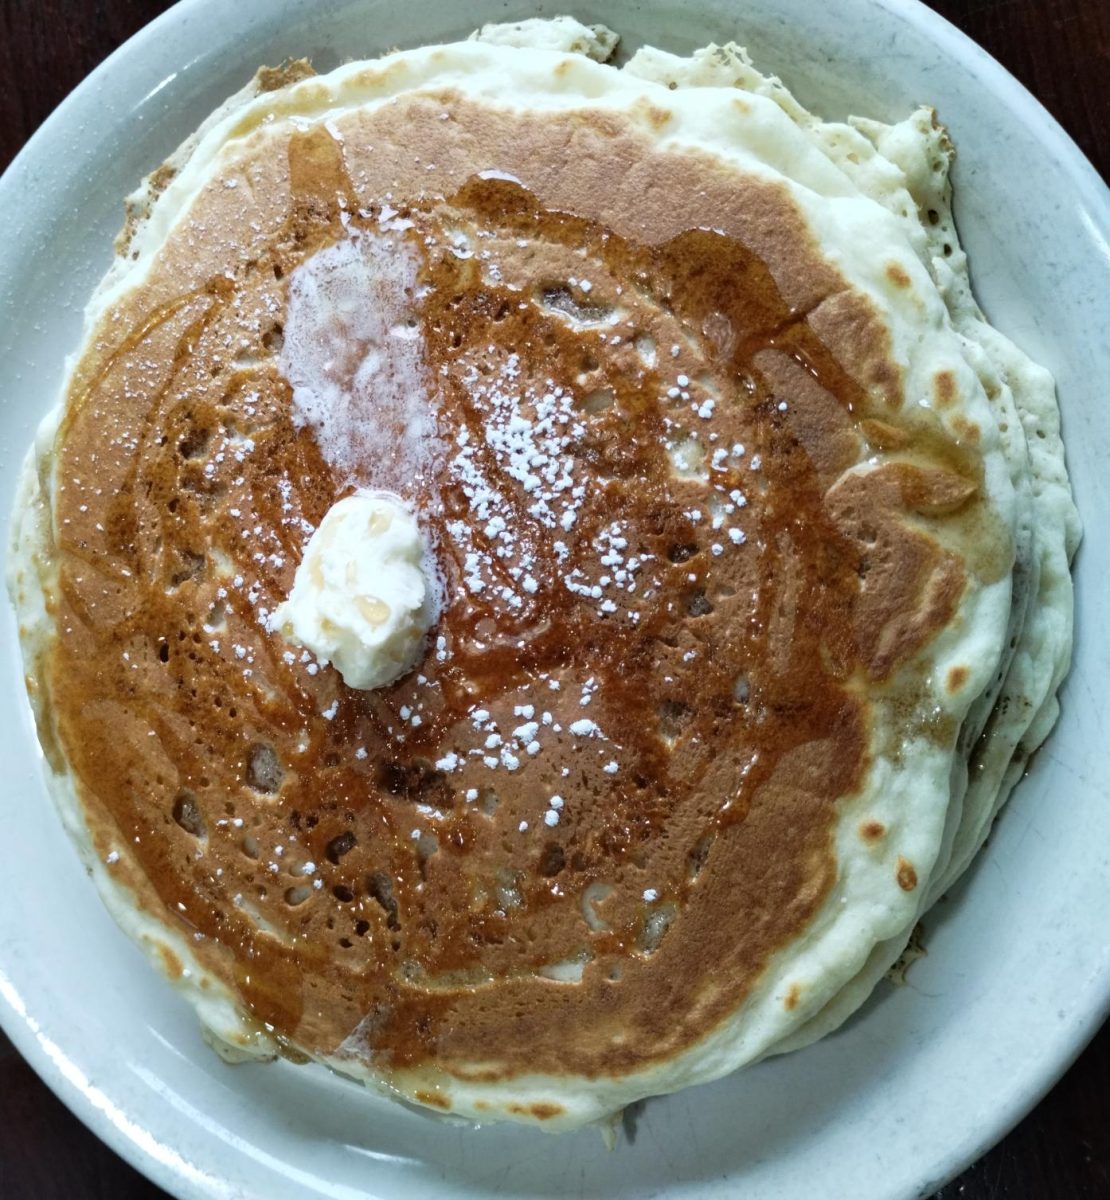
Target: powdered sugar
525,444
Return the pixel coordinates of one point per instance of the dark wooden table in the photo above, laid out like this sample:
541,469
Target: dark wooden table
1060,49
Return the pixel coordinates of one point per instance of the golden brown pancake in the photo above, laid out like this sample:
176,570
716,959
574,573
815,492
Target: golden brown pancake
698,544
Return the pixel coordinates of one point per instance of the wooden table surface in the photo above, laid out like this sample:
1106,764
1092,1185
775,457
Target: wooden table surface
1060,49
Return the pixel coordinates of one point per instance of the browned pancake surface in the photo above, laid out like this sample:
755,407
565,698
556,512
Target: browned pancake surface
332,873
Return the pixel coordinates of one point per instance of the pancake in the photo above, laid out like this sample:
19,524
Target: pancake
1012,716
741,551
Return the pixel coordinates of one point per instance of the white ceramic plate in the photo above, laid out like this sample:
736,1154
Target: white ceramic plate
1018,972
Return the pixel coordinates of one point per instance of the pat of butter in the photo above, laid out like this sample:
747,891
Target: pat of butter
362,598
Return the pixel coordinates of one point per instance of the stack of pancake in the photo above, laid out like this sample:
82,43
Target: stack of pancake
751,536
